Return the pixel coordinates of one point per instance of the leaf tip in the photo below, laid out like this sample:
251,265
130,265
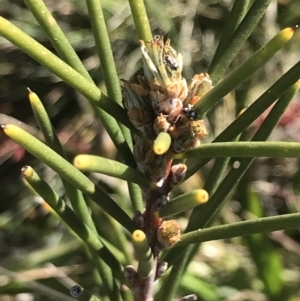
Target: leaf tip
77,162
202,196
138,236
27,171
288,32
33,98
6,128
162,143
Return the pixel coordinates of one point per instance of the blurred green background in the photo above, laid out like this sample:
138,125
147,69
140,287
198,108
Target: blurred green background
265,267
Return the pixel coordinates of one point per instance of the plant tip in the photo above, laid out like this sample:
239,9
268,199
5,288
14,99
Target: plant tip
76,162
138,236
27,171
24,168
202,196
28,89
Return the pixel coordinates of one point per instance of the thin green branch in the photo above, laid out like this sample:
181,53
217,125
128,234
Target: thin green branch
136,197
118,243
71,219
69,172
108,66
184,202
239,37
85,295
141,20
235,17
68,54
216,174
274,149
56,36
104,50
235,174
257,60
143,253
260,225
201,218
46,58
171,283
75,196
20,282
106,273
45,124
45,254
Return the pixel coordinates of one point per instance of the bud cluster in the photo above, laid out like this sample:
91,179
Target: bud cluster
160,100
160,104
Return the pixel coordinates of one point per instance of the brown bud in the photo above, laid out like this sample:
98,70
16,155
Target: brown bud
177,174
198,87
161,124
189,136
160,269
139,219
130,274
168,233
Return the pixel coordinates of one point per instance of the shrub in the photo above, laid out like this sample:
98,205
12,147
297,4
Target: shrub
156,120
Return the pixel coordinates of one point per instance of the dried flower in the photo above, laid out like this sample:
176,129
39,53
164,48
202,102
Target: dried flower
168,233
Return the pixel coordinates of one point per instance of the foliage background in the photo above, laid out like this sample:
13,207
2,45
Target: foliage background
223,270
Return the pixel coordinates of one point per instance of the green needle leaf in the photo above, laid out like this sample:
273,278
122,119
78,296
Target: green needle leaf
274,149
71,219
184,202
46,58
140,19
262,56
260,225
69,173
110,168
143,252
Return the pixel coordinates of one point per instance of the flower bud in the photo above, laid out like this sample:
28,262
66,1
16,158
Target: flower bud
168,233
